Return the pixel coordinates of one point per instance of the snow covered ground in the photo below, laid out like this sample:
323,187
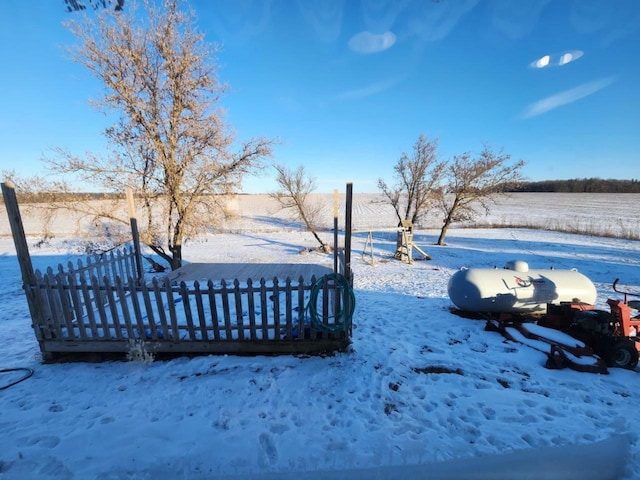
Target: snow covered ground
422,393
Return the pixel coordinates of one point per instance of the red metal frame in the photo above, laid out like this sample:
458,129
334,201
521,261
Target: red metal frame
560,315
621,310
622,313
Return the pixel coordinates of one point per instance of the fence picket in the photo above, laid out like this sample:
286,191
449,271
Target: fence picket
200,308
90,270
264,309
55,301
225,310
187,310
77,305
162,314
301,309
119,267
129,270
41,325
52,308
99,300
77,272
251,310
213,308
112,266
171,303
288,308
275,298
313,333
135,303
238,304
65,311
113,309
124,306
151,319
86,296
99,266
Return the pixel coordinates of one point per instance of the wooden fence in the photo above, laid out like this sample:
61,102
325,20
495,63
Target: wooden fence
91,308
105,305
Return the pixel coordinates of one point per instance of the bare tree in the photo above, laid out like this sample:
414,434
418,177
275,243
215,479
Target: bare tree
294,189
171,144
416,181
475,181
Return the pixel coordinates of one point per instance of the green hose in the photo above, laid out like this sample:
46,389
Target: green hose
342,318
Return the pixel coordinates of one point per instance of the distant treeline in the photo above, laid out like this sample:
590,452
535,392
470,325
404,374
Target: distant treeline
582,185
50,197
574,185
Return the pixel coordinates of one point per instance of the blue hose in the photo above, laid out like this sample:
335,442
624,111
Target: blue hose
342,318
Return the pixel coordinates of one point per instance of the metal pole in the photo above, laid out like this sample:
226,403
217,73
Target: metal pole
347,230
335,231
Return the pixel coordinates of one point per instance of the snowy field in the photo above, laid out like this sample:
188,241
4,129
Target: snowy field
422,393
602,214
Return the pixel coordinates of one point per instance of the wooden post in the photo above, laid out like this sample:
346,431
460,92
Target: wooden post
134,232
22,251
335,231
347,230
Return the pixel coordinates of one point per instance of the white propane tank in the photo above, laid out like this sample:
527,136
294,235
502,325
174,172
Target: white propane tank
517,289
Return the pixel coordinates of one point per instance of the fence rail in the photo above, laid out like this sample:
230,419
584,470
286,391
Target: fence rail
98,306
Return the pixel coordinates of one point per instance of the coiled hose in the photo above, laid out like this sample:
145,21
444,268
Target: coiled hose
27,372
343,317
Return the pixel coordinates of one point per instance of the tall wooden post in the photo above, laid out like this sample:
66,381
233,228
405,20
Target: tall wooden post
335,231
22,251
134,232
347,230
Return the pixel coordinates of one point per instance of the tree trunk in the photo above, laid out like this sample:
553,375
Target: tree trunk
443,232
448,219
325,248
176,256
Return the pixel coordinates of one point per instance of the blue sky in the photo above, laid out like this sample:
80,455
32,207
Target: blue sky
347,86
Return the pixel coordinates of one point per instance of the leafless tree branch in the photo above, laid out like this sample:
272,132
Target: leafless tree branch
294,189
171,143
416,181
475,181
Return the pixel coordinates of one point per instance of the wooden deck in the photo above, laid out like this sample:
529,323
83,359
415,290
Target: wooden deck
243,271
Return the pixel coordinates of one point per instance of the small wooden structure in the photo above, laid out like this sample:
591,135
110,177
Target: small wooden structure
404,244
104,304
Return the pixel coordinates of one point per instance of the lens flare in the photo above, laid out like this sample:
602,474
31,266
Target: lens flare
557,60
542,62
